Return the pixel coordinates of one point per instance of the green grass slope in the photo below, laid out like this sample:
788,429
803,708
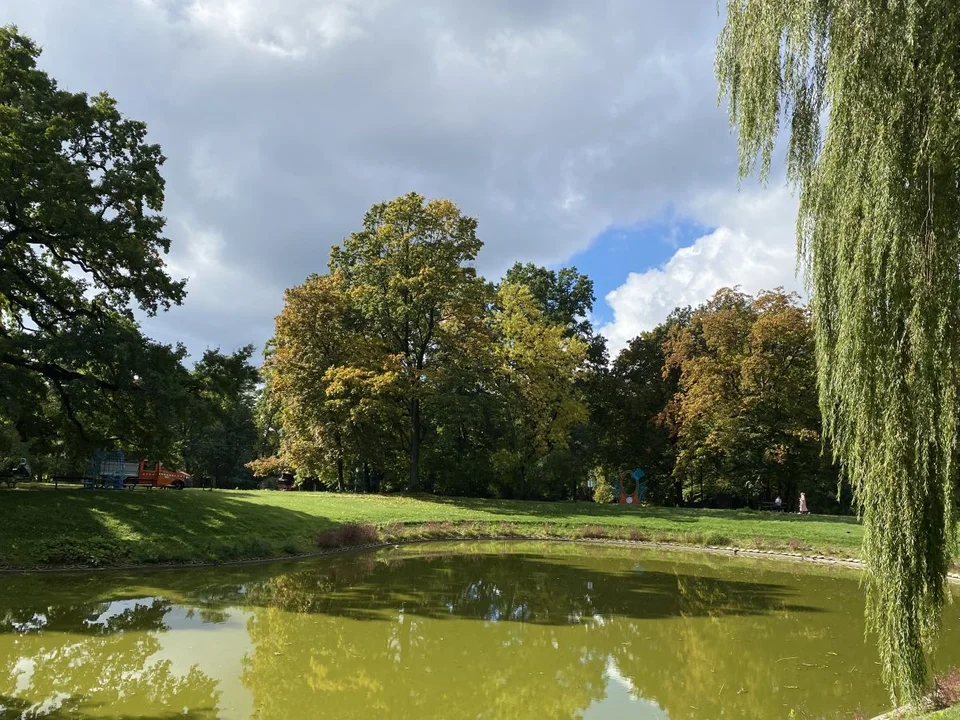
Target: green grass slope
41,526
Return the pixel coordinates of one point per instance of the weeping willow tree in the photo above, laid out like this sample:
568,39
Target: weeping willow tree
867,94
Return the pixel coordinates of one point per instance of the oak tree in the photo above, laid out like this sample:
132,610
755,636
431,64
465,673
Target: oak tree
81,246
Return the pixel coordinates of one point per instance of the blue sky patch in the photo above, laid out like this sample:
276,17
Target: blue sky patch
620,250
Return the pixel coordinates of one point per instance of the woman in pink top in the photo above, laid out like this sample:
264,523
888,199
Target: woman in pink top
803,504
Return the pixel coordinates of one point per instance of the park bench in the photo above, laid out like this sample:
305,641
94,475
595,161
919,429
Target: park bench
133,482
103,483
59,480
772,506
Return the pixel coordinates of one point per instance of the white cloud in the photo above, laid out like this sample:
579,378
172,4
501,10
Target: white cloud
216,288
283,122
290,29
753,247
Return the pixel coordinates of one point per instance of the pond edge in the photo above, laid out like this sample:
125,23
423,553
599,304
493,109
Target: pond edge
815,558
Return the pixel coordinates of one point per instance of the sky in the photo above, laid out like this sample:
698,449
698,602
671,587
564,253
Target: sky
578,133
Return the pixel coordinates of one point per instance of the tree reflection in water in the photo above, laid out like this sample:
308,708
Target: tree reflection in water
96,660
483,631
530,636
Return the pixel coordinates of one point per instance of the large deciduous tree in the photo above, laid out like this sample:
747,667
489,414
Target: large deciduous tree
868,93
220,432
409,272
81,244
565,296
565,299
541,363
745,411
327,382
632,406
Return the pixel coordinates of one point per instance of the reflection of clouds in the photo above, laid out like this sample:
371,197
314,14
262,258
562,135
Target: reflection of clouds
23,672
623,699
36,622
117,608
614,675
577,633
77,660
215,649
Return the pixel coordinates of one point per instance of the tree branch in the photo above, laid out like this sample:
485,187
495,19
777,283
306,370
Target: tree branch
68,408
54,372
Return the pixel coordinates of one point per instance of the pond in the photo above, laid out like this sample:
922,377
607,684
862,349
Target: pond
454,630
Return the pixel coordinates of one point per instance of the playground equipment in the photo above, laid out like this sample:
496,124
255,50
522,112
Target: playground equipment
106,470
639,490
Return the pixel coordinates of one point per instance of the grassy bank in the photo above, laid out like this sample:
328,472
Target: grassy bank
948,714
944,695
42,526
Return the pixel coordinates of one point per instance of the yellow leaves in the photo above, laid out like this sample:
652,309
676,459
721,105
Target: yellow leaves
541,363
266,467
746,384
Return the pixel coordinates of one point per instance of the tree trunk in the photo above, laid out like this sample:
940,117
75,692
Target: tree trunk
366,477
339,473
414,484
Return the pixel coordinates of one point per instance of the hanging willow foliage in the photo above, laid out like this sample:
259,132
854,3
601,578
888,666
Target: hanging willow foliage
868,92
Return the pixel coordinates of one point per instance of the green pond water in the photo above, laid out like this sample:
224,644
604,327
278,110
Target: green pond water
484,630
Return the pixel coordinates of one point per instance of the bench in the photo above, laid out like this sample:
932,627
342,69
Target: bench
772,506
103,483
59,480
133,482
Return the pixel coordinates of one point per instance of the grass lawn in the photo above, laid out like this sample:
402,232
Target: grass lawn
67,526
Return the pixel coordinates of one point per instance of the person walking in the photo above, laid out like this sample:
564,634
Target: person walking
803,504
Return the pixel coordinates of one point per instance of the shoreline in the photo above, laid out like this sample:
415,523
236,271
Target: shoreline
783,556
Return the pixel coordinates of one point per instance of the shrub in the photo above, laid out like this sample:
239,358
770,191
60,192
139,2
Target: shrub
716,539
349,535
242,548
603,488
593,531
393,530
359,534
637,535
89,551
432,528
946,689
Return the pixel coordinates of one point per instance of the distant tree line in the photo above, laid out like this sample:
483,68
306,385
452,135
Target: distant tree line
399,369
402,369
